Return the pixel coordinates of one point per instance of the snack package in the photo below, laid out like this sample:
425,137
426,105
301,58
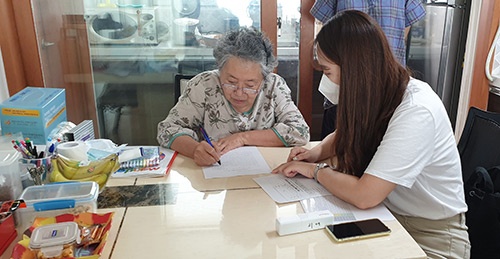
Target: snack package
93,233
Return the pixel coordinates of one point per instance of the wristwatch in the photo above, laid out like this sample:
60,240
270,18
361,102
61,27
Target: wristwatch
317,168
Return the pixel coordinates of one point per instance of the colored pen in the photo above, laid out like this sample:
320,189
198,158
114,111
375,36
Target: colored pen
27,146
207,139
22,148
32,146
51,149
20,151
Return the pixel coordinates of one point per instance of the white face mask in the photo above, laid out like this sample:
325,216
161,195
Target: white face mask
329,89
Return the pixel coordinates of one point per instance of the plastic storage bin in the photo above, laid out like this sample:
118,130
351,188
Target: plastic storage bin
10,175
56,198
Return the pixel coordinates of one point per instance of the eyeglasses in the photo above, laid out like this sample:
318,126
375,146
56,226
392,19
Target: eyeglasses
249,91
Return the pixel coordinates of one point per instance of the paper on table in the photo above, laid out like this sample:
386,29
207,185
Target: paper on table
156,171
283,189
343,211
240,161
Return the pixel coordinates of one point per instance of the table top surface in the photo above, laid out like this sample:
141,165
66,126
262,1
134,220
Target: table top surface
184,215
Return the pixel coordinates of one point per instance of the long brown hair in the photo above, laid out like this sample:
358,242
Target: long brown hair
372,85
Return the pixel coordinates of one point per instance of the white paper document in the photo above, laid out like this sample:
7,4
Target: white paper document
240,161
343,211
283,189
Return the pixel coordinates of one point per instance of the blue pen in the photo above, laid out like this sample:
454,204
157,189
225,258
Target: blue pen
51,149
207,139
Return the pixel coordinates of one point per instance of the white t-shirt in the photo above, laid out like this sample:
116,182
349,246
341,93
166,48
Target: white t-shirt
419,154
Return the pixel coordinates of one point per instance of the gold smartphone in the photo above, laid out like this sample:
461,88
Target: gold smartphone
357,230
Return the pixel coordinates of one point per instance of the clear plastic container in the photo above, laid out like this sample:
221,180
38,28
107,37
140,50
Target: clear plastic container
53,199
57,240
10,178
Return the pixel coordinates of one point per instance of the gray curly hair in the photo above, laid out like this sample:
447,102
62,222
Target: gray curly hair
248,44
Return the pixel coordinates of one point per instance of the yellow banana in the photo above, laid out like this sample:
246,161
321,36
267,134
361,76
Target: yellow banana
100,179
73,169
56,175
102,166
68,161
56,163
67,168
113,166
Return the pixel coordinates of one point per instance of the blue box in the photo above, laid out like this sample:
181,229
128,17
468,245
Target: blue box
34,111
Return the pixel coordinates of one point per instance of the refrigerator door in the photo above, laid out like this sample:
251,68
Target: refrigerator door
436,49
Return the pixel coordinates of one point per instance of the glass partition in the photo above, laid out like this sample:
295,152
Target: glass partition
138,47
288,22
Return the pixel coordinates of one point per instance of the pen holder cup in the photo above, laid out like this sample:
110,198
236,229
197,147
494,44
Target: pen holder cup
35,171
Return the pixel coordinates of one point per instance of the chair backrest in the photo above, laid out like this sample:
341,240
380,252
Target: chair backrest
479,144
180,84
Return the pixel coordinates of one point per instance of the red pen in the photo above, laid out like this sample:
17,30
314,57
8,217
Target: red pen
22,149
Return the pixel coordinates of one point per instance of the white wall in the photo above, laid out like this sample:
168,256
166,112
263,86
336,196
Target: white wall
4,90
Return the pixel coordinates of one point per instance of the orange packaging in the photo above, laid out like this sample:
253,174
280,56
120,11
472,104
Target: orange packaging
7,230
93,233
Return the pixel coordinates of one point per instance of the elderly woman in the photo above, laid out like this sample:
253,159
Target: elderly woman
241,103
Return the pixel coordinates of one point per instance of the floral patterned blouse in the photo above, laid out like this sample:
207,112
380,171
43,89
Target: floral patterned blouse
203,103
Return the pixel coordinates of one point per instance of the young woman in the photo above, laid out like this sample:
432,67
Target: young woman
394,143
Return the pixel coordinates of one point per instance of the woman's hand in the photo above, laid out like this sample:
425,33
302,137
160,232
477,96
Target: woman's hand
229,143
291,169
205,155
303,154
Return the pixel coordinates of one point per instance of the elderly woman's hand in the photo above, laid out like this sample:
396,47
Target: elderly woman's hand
229,143
205,155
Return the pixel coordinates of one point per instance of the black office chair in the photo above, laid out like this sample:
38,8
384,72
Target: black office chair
187,69
180,83
479,146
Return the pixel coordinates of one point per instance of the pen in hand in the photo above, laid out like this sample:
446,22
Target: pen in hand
207,139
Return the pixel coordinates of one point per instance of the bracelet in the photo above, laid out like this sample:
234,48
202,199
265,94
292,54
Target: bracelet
317,168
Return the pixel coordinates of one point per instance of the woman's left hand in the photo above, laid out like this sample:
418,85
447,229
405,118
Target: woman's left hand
291,169
229,143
